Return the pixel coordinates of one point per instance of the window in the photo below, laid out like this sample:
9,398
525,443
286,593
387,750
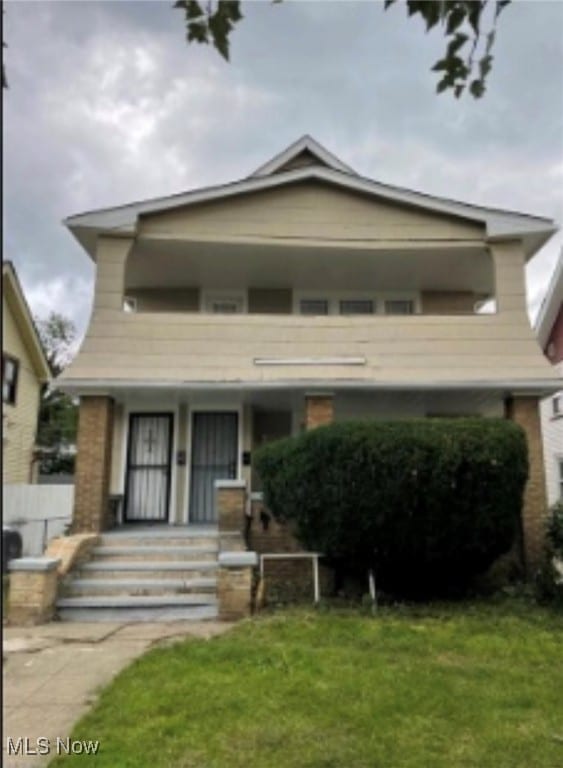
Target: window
399,307
557,405
129,304
224,303
356,307
561,479
313,306
10,368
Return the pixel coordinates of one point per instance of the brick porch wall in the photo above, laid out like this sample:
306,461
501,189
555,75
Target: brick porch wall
525,412
93,464
319,410
290,580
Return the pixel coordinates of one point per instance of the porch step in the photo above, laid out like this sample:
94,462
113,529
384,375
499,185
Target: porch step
146,540
170,569
138,608
135,601
141,586
161,573
168,613
164,552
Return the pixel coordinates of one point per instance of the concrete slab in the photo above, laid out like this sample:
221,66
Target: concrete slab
53,673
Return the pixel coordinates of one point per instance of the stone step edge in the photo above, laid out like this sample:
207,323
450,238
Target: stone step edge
115,584
149,565
160,615
137,601
154,549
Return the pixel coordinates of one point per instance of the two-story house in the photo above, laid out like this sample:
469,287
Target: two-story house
236,314
549,328
24,372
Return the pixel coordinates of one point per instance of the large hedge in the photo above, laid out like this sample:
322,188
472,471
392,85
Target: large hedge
429,503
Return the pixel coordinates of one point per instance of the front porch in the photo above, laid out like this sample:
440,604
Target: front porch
163,449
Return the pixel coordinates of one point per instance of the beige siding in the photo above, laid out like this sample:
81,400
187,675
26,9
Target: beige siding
269,301
19,420
196,347
165,299
307,210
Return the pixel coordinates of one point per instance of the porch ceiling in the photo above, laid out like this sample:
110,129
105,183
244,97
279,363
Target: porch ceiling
388,401
434,266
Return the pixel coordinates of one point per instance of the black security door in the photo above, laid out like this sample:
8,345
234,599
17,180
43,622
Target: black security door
148,467
214,457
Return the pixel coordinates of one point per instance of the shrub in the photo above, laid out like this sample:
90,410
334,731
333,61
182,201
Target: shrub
555,529
428,503
549,580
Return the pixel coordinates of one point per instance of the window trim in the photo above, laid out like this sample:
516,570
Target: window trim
16,363
556,406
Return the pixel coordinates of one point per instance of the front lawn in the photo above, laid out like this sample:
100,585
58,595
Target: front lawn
475,684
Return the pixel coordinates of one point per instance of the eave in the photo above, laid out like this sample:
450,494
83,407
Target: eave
534,231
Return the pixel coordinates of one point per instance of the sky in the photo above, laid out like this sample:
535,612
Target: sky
108,104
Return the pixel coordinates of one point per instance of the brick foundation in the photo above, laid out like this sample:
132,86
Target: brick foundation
93,464
525,412
234,592
286,580
33,590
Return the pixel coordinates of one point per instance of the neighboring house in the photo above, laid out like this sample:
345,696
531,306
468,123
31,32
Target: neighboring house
233,315
549,328
24,371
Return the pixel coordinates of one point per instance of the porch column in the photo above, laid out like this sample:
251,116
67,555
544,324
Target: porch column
93,464
525,412
319,410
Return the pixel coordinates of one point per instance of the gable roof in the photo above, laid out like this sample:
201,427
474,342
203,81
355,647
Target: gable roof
12,290
533,230
305,145
551,305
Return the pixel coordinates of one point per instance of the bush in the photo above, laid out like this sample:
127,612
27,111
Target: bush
555,529
428,503
549,580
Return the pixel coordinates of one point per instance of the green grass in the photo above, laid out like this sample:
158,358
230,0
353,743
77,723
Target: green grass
474,684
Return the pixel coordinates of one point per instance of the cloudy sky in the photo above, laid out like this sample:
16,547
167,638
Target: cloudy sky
107,104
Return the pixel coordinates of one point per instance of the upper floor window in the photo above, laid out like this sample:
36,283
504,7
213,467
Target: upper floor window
224,303
313,306
129,304
357,307
557,405
10,370
354,303
399,307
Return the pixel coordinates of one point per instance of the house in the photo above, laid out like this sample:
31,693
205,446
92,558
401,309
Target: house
549,329
24,372
233,315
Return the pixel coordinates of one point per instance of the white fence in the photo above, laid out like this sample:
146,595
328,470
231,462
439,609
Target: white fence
38,512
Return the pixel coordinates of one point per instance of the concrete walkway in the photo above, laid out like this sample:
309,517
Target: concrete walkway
53,673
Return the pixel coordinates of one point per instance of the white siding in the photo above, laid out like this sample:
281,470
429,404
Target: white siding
552,431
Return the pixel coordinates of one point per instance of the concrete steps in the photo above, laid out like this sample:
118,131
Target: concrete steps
145,574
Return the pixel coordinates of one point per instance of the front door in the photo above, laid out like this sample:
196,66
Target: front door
149,455
214,456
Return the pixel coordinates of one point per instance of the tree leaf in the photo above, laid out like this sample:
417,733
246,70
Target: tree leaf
455,19
458,42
